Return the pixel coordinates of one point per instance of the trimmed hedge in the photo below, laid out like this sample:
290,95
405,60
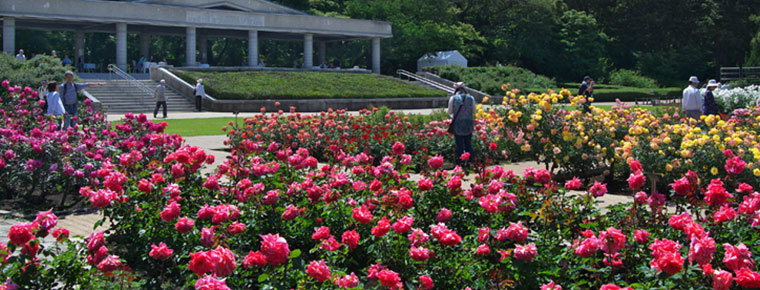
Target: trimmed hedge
264,85
490,79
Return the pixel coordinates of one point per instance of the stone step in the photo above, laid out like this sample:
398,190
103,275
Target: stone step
120,96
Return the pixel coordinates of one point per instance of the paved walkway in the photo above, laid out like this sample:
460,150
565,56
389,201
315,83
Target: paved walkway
203,115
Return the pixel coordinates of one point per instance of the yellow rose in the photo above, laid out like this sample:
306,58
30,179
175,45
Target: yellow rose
714,171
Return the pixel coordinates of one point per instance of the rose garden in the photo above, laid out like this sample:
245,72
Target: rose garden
373,200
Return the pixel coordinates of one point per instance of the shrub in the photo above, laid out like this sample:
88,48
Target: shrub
263,85
31,71
631,78
490,79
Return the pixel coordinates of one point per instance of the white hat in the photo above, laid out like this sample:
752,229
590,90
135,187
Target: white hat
693,79
163,81
713,83
458,85
200,80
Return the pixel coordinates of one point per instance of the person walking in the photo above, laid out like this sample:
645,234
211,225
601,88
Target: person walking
54,104
692,101
586,89
42,92
20,56
461,109
160,96
69,95
710,107
199,92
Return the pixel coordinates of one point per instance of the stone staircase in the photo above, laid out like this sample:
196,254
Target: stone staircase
117,96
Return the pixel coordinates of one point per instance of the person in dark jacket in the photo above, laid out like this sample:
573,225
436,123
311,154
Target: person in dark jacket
586,89
710,107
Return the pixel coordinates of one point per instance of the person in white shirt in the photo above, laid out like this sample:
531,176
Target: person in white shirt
199,93
20,55
54,104
692,99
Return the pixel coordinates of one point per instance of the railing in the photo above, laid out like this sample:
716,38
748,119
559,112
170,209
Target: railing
131,81
739,73
437,85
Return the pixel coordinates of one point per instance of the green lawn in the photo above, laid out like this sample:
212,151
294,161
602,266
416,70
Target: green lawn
280,85
197,127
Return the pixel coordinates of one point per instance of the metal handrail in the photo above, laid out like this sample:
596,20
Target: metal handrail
131,81
426,81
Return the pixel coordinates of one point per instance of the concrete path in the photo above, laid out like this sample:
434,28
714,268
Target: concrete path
202,115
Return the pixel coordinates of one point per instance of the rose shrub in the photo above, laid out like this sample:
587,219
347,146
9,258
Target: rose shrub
272,216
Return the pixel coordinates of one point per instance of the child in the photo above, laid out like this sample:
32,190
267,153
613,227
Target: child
54,103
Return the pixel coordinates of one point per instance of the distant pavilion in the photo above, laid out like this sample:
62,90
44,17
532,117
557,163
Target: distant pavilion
196,19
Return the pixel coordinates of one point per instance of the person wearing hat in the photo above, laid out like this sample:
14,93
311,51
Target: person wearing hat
586,89
692,100
462,109
710,107
69,91
199,92
20,56
160,96
55,109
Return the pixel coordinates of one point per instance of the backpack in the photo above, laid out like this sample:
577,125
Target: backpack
66,87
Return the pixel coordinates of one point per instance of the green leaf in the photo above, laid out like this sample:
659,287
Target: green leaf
263,277
295,253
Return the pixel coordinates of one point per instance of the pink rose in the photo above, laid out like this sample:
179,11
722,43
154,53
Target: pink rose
318,270
160,252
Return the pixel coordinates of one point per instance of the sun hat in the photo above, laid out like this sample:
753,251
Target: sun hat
163,81
458,85
693,79
200,81
713,83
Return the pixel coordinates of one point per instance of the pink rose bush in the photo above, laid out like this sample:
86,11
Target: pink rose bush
335,200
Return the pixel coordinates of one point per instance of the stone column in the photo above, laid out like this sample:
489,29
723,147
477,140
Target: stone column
190,47
78,47
308,51
9,35
253,47
145,45
322,51
376,55
121,46
203,47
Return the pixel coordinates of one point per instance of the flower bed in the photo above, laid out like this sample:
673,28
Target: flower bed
39,161
271,216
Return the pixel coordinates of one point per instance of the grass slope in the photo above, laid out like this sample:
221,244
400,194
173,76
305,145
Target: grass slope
263,85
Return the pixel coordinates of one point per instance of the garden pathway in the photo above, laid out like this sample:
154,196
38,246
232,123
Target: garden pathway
203,115
77,224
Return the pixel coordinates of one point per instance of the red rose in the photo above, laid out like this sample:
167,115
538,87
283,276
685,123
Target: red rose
361,214
681,186
483,250
321,233
636,181
443,216
389,279
573,184
201,263
236,228
171,211
21,233
109,264
318,270
224,261
184,225
348,281
517,232
722,280
211,283
748,279
403,225
382,228
419,254
612,240
426,282
350,238
641,236
526,252
435,162
60,234
160,252
275,248
254,259
398,148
